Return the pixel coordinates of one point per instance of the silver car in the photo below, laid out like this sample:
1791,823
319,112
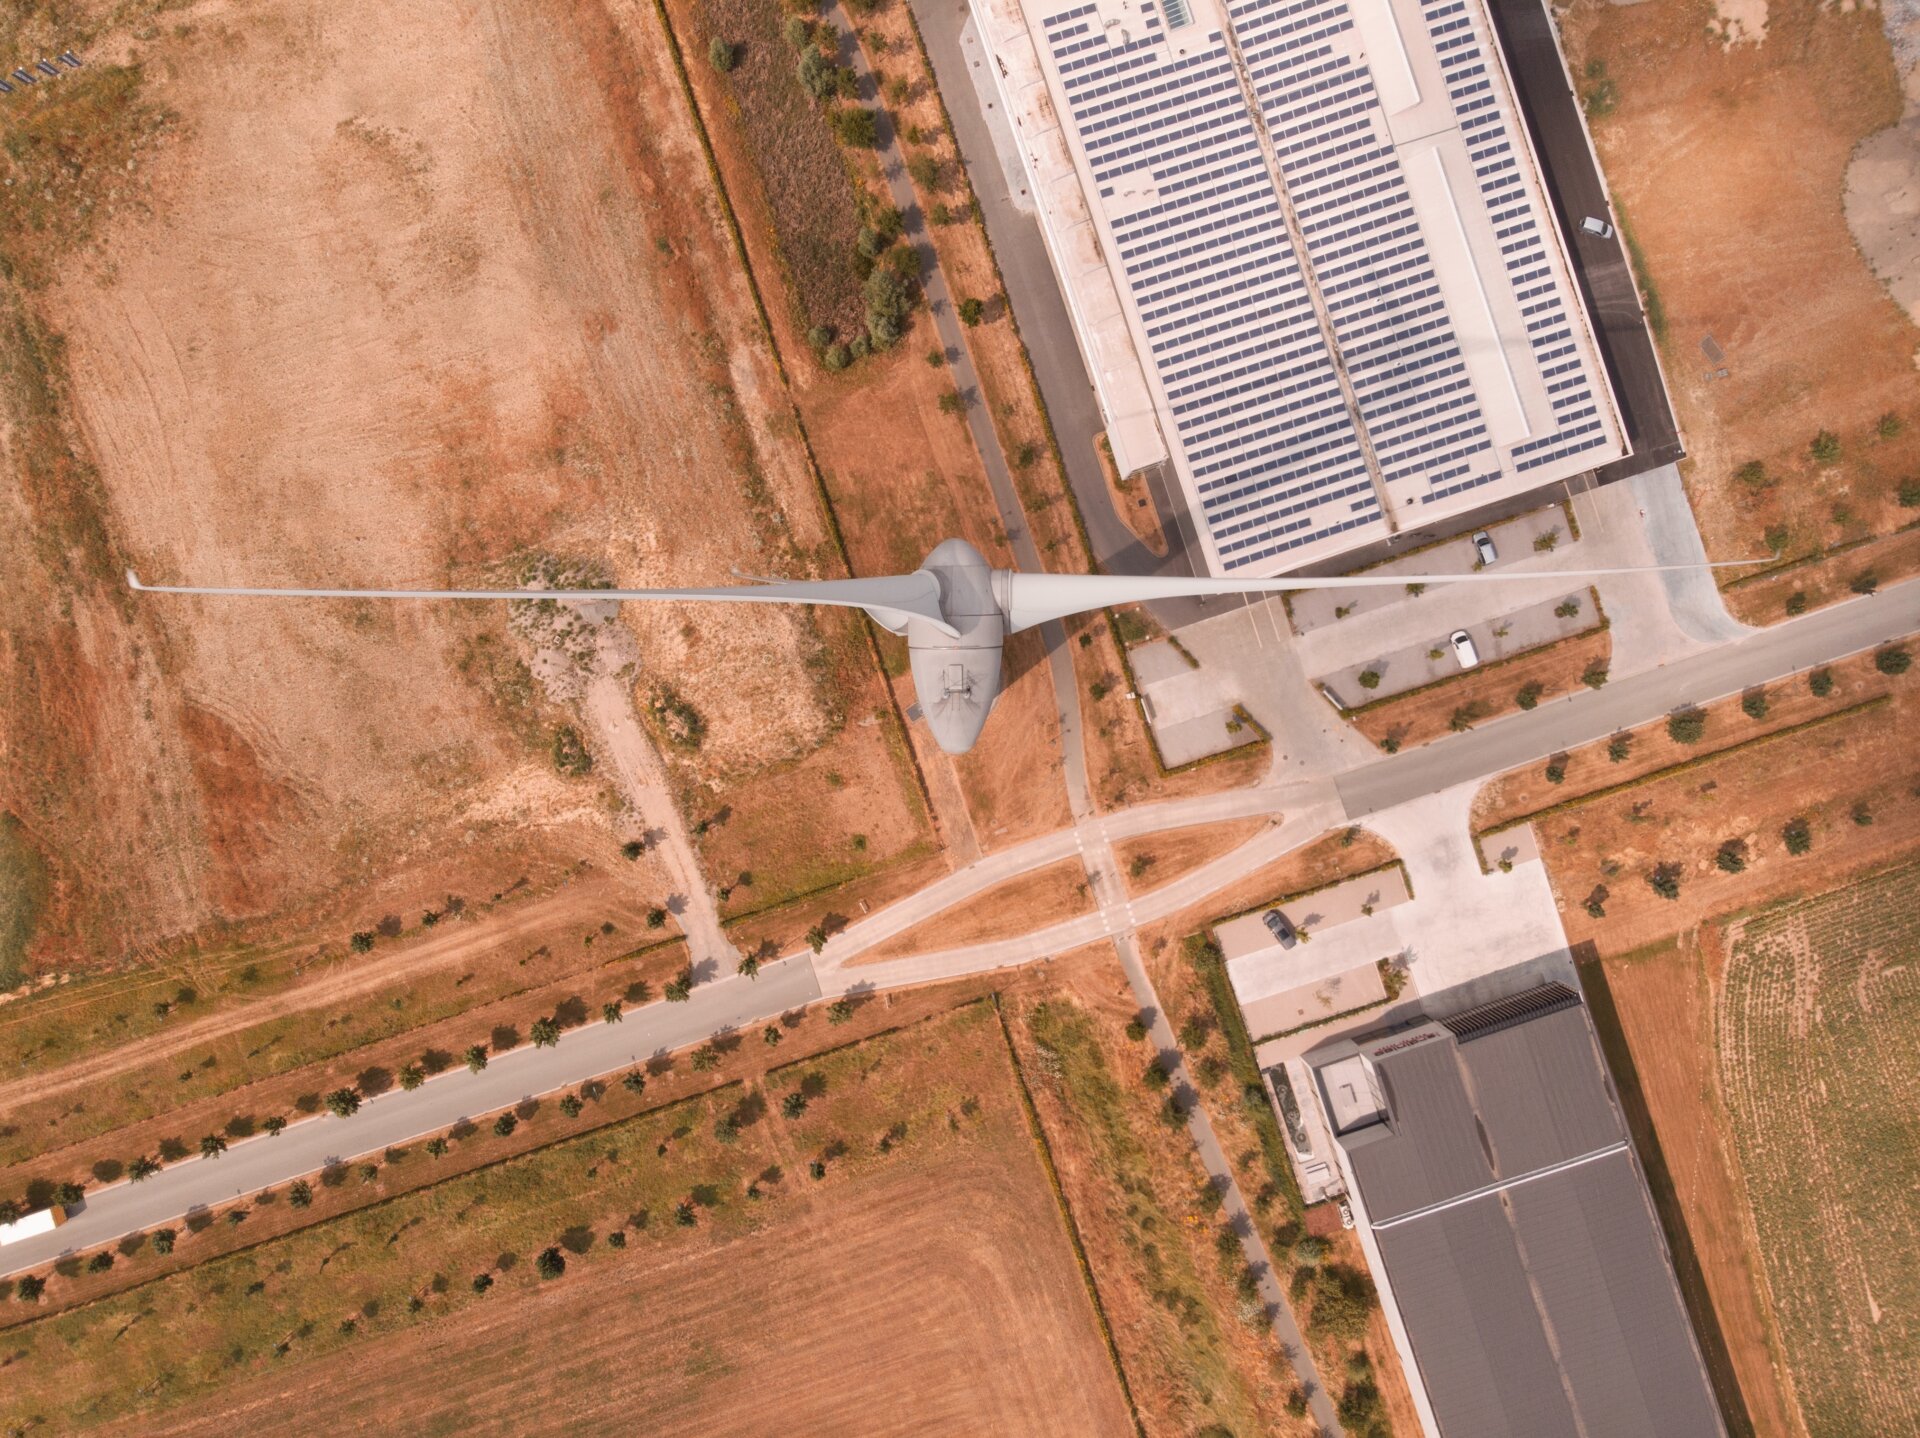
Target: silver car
1483,546
1278,926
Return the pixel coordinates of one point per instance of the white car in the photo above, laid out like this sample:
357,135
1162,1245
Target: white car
1597,227
1483,548
1463,649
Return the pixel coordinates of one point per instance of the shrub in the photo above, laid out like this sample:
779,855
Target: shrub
1369,678
1820,682
856,127
1796,603
860,346
1544,543
1731,856
476,1058
819,337
819,76
1863,814
1798,835
212,1146
571,1105
300,1193
799,32
1619,747
482,1282
1665,881
1889,425
343,1102
953,402
722,55
839,1011
1155,1075
1909,494
972,311
1776,538
570,754
1687,726
1567,608
412,1076
928,172
771,1036
163,1240
936,357
544,1032
837,357
1343,1301
551,1263
1594,676
362,941
1529,694
1462,718
1597,902
1753,472
30,1288
1892,660
437,1147
1825,447
1557,772
1754,703
1136,1030
1865,582
505,1125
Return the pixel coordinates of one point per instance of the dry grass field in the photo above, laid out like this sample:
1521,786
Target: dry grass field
927,1257
1019,906
1742,239
327,322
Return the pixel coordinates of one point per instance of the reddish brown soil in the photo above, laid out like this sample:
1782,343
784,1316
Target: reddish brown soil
1811,338
1006,911
1173,853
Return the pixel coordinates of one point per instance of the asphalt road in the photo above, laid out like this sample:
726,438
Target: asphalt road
1575,190
398,1116
1760,657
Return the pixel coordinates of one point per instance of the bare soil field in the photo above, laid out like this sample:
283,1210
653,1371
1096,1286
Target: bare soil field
1855,785
894,1266
1818,1066
1019,906
1799,336
359,331
1654,1009
1436,710
1155,859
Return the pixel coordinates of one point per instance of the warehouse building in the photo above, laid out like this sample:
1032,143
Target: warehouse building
1308,258
1517,1252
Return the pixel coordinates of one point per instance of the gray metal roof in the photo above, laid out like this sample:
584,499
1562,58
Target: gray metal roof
1522,1250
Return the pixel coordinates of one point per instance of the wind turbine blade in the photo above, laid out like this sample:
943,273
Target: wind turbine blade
1037,598
891,600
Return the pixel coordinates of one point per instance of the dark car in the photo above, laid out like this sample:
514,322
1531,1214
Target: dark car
1278,926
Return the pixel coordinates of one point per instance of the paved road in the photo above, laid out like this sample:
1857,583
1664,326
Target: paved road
1576,190
398,1117
1760,657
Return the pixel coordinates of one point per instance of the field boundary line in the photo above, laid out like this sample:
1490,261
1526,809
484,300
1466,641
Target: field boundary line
902,742
1045,1152
1682,767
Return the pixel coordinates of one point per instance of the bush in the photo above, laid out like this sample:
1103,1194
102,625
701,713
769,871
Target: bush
1687,726
505,1125
928,172
1910,494
476,1058
1619,747
1889,425
1798,836
1369,678
889,293
1754,703
551,1263
837,357
1753,472
1594,676
1776,538
819,76
972,311
856,127
1863,814
300,1193
1665,881
953,402
1596,905
570,754
722,55
1556,771
1825,447
30,1288
362,941
1796,603
819,337
1892,660
1820,682
163,1240
839,1011
482,1282
1529,694
1544,543
1343,1301
1567,608
1731,856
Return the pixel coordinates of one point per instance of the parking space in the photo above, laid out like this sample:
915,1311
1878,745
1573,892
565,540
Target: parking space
1432,656
1190,707
1513,541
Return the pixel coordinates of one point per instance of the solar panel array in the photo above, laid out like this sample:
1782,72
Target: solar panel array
1229,321
1517,222
1336,155
1229,318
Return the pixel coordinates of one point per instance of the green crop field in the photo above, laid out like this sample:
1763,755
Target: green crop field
1819,1058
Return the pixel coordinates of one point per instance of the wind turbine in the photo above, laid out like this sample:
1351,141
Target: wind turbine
955,609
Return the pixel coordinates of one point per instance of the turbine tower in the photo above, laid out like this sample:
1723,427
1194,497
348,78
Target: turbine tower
956,611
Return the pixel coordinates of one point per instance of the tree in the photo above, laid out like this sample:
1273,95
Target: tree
482,1282
571,1105
70,1193
750,965
1863,814
1687,726
836,357
1753,472
1910,494
1892,660
343,1102
634,1081
706,1058
771,1036
142,1169
633,848
412,1076
100,1262
794,1104
610,1012
362,941
656,917
856,127
551,1263
1594,676
1596,905
1665,881
819,76
972,311
1557,772
1155,1075
30,1288
437,1147
727,1131
1820,682
684,1214
1825,447
1369,679
545,1033
163,1239
476,1057
1619,747
799,32
505,1125
212,1146
300,1193
1796,603
1731,856
839,1011
680,989
1754,703
928,172
1529,694
1798,835
721,55
817,937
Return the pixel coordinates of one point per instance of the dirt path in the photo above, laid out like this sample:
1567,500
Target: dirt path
576,905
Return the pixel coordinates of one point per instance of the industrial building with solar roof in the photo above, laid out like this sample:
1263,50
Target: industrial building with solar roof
1520,1262
1308,258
